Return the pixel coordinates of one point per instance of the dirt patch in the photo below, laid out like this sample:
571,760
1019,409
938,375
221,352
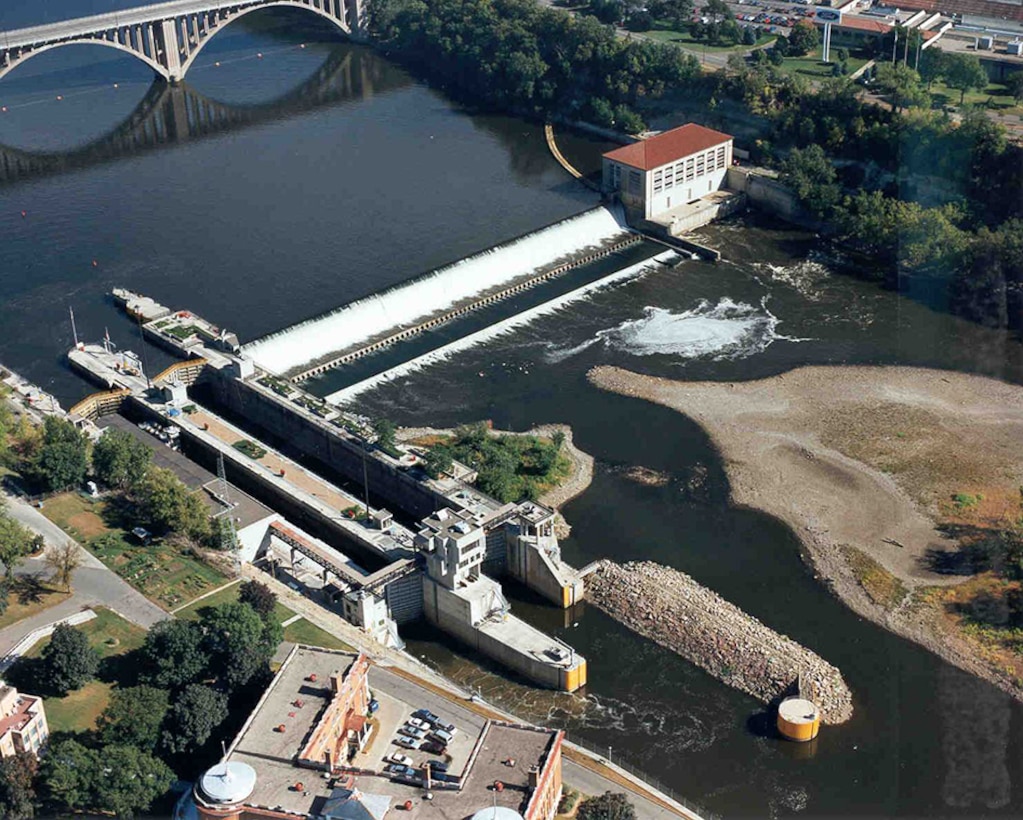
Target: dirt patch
646,476
863,463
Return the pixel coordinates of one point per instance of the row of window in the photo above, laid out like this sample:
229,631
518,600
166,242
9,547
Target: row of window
688,169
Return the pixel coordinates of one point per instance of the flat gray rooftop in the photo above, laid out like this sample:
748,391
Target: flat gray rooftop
272,753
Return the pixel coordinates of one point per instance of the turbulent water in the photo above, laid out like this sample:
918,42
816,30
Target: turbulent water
434,292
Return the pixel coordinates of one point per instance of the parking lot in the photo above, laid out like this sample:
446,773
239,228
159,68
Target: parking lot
398,699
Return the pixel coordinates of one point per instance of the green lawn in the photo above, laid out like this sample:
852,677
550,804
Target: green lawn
160,572
227,596
994,96
304,631
111,636
811,65
663,34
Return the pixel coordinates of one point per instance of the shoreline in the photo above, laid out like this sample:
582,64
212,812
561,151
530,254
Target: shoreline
574,485
782,455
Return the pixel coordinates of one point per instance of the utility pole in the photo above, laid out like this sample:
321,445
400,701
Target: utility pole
895,45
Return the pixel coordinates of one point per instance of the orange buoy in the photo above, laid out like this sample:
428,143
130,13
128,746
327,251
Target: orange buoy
24,214
498,786
408,805
95,264
300,786
280,727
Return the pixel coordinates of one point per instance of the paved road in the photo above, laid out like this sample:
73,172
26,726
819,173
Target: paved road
93,583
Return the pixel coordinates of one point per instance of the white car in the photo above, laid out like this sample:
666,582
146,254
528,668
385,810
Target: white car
419,723
399,758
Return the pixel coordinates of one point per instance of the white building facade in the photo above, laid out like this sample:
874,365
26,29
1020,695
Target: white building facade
671,169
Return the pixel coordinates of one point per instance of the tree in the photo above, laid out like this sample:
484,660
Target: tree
1014,85
172,654
68,659
804,38
63,458
193,718
64,559
259,597
811,176
17,786
932,66
749,36
607,806
438,460
119,459
134,717
718,10
965,73
166,505
68,773
15,542
675,12
238,642
900,81
128,780
776,55
385,430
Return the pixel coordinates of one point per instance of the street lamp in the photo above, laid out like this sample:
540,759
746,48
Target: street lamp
608,754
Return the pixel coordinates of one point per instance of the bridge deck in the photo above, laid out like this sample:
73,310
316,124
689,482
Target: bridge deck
78,26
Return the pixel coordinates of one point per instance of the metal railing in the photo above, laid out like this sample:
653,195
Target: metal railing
653,782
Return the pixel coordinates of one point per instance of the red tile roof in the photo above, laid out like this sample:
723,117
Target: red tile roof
668,146
863,24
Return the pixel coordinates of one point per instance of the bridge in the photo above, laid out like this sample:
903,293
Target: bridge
166,36
172,114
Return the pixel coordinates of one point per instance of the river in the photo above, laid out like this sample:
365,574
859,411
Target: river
306,207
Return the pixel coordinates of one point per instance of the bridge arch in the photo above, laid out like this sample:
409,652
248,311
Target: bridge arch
237,15
27,55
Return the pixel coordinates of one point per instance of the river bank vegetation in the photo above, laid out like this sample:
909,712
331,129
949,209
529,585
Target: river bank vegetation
909,191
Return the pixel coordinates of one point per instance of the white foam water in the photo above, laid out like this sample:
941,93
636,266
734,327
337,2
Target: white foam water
497,329
348,326
726,330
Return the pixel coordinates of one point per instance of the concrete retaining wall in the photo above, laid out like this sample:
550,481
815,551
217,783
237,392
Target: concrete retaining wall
765,192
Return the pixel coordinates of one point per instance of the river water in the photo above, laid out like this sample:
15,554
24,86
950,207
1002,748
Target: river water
300,207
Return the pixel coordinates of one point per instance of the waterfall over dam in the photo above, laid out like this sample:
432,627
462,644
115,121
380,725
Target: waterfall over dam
315,340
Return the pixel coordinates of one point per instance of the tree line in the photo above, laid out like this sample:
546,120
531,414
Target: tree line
517,55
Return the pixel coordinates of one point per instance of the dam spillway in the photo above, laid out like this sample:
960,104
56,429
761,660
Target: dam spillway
322,342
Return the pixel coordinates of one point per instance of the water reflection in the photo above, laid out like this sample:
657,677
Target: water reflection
171,114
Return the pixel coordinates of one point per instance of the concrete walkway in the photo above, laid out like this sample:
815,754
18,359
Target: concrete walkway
93,583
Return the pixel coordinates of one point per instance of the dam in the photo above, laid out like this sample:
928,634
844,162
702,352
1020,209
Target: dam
410,311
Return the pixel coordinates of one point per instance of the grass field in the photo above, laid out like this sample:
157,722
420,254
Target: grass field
160,572
994,96
304,631
28,599
227,596
112,637
663,34
811,65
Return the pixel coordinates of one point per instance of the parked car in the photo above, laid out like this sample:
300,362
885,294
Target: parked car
425,714
441,736
419,723
373,705
432,747
413,731
400,759
408,742
436,765
445,726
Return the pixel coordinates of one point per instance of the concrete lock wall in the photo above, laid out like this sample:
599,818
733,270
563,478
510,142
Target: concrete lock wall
450,613
531,566
764,192
316,441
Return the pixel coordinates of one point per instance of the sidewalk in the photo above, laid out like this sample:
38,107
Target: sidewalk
93,583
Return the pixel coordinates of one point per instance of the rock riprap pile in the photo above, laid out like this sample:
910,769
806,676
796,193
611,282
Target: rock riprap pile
671,609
